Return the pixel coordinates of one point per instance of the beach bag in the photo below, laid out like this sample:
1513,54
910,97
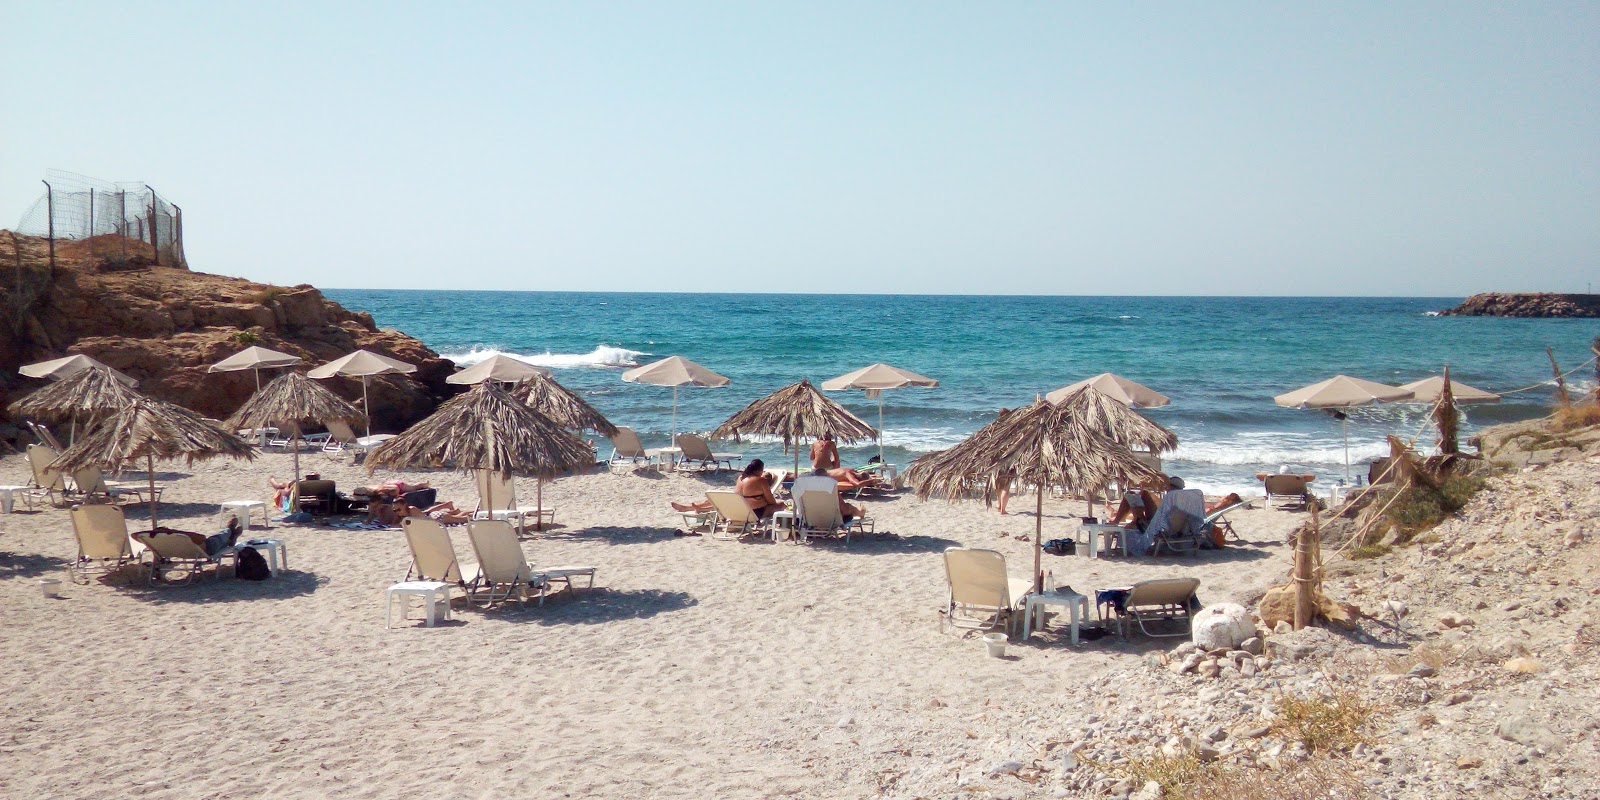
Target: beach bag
252,565
1061,547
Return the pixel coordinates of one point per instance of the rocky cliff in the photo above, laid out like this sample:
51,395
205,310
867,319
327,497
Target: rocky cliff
164,326
1539,304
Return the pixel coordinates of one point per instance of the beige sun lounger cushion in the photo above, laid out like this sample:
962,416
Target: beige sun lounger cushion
503,570
1285,490
1157,600
819,515
697,454
735,517
497,499
176,554
983,595
433,557
103,543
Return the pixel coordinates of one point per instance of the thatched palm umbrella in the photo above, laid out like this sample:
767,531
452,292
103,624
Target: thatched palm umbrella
543,394
485,428
90,393
793,412
287,401
1040,444
151,429
1105,415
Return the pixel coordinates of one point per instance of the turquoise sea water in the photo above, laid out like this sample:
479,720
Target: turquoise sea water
1220,359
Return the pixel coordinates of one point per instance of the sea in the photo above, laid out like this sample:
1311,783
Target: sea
1221,360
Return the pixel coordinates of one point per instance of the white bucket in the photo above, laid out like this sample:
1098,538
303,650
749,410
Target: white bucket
996,643
50,586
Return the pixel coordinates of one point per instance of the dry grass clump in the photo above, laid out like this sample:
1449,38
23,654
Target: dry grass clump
1177,774
1327,724
1420,507
1580,415
1313,779
1374,550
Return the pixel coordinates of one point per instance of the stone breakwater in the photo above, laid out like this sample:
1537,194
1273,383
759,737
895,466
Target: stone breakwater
1538,304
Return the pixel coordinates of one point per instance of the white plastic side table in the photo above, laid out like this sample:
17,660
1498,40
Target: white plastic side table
7,497
240,509
273,549
1076,603
433,593
1096,531
783,526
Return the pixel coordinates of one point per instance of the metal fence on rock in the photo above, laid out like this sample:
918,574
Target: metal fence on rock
123,223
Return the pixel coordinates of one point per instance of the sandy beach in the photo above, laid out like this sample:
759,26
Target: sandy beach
697,668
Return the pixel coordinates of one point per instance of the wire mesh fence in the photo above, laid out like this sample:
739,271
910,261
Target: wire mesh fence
118,224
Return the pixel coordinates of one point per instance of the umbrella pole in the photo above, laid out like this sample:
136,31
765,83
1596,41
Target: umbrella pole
881,459
366,408
257,372
295,443
538,521
1038,538
150,475
674,442
1344,424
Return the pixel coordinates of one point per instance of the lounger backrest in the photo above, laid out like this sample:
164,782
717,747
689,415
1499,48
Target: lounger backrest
500,558
820,510
339,431
39,457
977,577
1286,485
431,550
1164,591
1381,471
90,480
694,448
496,492
102,531
627,444
730,506
172,545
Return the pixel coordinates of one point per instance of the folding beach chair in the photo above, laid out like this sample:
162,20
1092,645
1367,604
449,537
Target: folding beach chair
497,499
697,454
103,543
433,557
177,554
818,514
1286,490
983,595
503,570
735,517
1165,599
628,453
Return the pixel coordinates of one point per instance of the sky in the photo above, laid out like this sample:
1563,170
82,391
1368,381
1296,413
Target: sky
1433,149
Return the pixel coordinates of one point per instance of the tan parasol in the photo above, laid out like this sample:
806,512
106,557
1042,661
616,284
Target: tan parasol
1116,387
486,428
793,412
148,428
1428,390
62,368
255,359
1039,445
1343,391
874,379
502,368
363,364
675,371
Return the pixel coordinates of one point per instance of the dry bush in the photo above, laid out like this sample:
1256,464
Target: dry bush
1420,507
1313,779
1176,774
1328,724
1581,415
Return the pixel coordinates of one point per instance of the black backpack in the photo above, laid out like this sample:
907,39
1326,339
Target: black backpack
252,565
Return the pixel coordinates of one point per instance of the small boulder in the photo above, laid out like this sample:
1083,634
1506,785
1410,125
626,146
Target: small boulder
1523,665
1222,626
1253,645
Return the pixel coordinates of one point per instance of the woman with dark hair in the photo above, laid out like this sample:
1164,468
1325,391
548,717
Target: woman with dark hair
756,488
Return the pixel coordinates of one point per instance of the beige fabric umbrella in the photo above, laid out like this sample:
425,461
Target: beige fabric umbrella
486,428
148,428
363,364
63,368
504,369
1343,391
675,371
1428,390
796,411
288,400
255,359
1037,444
1116,387
874,379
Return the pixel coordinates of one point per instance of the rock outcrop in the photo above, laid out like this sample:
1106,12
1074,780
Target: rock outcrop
1539,304
164,326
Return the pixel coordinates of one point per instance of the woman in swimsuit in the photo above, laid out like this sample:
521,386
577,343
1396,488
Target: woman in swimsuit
756,489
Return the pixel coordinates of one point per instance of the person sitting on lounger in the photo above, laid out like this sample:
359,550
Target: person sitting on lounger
825,453
821,481
1138,507
1226,502
755,486
693,507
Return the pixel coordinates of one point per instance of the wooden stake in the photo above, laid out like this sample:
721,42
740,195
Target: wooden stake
1305,590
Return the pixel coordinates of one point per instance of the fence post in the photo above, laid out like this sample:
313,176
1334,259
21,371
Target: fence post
177,236
155,232
91,220
122,221
50,212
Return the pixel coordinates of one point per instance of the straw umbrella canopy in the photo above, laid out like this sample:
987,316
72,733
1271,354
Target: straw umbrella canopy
1039,444
363,364
486,428
63,368
255,359
288,400
874,379
543,394
675,371
496,368
1105,415
796,411
1116,387
1342,391
148,428
90,393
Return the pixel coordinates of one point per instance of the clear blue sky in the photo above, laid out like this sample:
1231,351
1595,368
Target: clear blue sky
1017,148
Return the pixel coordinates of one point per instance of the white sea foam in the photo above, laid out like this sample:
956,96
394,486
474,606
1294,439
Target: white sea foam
601,356
1281,449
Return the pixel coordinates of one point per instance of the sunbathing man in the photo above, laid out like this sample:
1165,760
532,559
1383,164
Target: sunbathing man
824,453
1138,506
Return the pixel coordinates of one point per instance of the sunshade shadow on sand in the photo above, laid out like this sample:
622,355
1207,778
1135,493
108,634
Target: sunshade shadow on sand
283,584
618,536
201,517
1225,555
885,543
600,605
28,565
